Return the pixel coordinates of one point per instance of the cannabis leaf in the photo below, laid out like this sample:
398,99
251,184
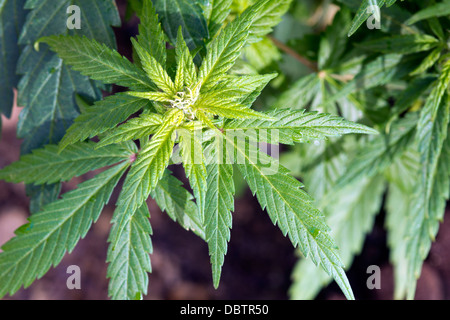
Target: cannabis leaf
170,103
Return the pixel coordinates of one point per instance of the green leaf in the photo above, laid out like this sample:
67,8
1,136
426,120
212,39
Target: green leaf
134,129
102,116
268,17
219,204
401,44
225,48
298,126
42,195
54,231
185,13
219,12
146,172
232,110
352,216
402,181
98,61
365,10
151,37
241,89
194,164
12,17
440,9
178,203
130,261
47,165
186,70
154,70
291,208
427,208
433,190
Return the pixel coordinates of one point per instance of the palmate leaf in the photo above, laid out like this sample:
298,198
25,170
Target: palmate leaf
291,208
54,231
146,172
299,126
47,87
47,165
12,17
130,261
219,204
103,115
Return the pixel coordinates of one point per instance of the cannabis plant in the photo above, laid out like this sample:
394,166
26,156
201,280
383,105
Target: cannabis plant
356,93
193,100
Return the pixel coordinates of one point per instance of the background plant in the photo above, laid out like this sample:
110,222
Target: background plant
394,79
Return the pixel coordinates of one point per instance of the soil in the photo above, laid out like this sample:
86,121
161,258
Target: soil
258,265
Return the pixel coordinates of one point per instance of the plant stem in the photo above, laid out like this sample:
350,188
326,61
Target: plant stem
280,45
